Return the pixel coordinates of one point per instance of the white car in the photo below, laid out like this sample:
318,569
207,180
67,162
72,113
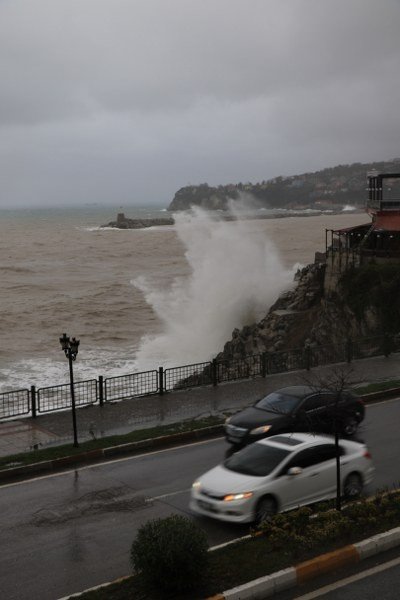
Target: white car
278,474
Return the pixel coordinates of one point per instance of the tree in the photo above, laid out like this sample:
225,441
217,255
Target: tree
336,380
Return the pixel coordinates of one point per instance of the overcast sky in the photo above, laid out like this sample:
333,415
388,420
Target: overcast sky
125,101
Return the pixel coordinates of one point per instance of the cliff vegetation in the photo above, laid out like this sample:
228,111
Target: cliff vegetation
365,303
328,188
374,289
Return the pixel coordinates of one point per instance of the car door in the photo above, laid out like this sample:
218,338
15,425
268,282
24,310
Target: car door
310,415
316,481
329,411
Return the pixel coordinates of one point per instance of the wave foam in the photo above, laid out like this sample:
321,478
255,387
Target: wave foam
236,274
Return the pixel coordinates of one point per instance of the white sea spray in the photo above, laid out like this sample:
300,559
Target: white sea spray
213,278
236,274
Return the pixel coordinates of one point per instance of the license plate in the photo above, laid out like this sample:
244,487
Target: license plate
206,506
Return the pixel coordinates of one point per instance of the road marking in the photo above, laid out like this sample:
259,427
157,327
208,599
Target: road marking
109,462
163,496
353,578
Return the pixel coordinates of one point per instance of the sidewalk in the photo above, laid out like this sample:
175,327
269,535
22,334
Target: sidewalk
54,429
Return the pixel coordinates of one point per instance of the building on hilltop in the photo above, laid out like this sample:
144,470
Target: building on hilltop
380,238
377,240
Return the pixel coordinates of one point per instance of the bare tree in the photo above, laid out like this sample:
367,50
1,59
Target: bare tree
335,381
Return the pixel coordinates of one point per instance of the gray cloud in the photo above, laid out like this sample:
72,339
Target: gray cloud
127,100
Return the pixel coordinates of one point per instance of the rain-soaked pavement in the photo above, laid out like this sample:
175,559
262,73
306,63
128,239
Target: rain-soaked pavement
68,531
93,421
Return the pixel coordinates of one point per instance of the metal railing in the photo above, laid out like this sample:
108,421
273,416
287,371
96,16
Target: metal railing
242,368
58,397
129,386
14,404
30,402
178,378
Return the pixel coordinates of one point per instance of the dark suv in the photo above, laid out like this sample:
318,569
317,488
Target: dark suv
296,408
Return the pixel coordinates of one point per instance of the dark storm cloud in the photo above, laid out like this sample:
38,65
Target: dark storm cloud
126,101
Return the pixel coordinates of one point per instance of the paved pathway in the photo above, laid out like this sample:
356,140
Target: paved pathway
55,428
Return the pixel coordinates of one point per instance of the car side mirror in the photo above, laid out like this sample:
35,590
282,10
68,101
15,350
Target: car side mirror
293,471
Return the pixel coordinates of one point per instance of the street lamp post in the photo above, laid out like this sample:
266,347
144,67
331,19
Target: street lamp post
70,347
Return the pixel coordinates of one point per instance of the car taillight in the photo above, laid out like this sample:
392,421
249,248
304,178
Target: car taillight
367,454
360,401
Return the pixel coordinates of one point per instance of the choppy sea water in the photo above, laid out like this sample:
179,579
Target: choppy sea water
138,299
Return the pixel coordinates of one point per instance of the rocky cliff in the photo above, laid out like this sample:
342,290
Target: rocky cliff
310,315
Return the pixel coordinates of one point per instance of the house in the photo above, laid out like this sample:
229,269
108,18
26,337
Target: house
377,240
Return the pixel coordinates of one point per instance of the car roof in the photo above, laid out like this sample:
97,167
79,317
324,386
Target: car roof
298,391
301,391
296,440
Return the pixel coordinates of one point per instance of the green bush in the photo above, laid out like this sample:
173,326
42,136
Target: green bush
377,286
329,526
170,554
287,528
302,529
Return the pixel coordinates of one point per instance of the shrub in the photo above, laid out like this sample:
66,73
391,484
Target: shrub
364,513
170,554
329,526
287,529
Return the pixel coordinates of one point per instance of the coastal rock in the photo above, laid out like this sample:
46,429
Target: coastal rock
209,198
304,316
123,222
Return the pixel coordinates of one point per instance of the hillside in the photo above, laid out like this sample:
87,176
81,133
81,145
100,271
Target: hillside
329,188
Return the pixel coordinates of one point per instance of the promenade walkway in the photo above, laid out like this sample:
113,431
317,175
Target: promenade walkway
52,429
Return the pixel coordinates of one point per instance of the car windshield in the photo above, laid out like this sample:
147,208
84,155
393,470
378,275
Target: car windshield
278,403
257,459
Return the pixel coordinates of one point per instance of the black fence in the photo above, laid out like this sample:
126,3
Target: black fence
31,402
130,386
58,397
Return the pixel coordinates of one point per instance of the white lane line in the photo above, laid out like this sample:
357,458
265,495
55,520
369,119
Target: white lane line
109,462
353,578
163,496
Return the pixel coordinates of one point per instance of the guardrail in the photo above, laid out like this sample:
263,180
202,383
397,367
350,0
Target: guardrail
30,402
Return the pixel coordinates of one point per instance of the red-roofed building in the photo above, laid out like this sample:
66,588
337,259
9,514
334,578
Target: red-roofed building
379,239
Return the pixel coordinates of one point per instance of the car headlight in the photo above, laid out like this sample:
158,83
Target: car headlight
241,496
259,430
196,485
227,420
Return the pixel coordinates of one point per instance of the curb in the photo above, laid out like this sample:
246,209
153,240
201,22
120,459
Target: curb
382,395
267,586
58,464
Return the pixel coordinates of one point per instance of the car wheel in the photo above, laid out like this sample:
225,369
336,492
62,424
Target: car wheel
350,426
266,508
353,486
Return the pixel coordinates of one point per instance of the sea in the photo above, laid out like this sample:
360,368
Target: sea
142,298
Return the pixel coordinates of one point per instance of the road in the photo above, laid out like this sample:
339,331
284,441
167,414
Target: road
63,533
377,577
381,581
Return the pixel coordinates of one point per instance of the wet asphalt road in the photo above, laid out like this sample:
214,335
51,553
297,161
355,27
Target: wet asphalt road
64,533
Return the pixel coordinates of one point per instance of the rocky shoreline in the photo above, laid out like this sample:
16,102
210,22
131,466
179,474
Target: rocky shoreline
313,314
123,222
